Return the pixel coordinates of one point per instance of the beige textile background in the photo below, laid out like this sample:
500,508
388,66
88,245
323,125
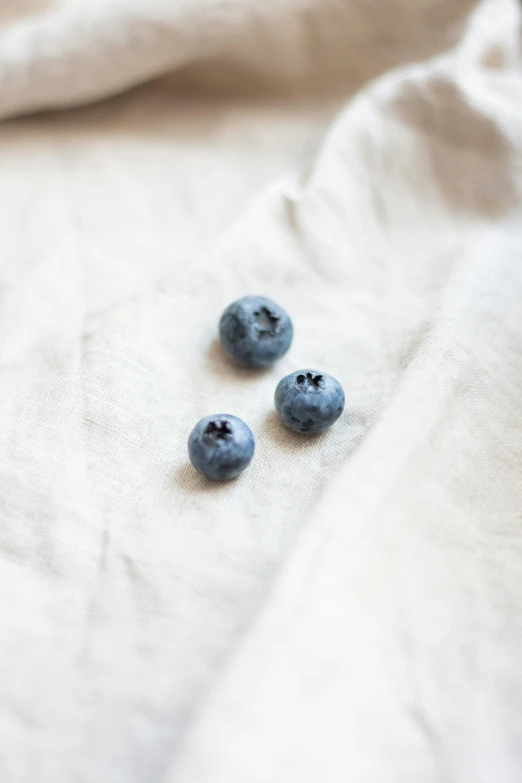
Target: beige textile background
350,608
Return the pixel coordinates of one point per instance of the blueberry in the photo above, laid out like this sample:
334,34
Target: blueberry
255,332
221,446
309,401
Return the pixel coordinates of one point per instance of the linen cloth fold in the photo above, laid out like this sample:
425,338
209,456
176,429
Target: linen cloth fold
350,607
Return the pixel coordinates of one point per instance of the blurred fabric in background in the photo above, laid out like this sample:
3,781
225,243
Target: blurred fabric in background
350,608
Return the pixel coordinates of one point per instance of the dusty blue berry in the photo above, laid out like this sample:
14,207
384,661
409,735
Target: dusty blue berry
309,401
255,332
221,446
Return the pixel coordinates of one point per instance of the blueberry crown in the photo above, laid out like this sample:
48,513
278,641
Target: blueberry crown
218,430
310,381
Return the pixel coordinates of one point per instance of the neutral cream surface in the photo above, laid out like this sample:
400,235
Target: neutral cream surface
350,609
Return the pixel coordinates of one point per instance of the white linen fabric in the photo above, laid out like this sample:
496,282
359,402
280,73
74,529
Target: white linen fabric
351,607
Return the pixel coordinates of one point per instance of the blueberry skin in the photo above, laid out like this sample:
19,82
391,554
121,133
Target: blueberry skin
221,446
309,401
255,332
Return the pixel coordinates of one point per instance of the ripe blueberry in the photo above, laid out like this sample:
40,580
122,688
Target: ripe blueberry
309,401
255,332
221,446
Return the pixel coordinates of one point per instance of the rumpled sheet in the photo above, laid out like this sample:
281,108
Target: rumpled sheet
350,609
